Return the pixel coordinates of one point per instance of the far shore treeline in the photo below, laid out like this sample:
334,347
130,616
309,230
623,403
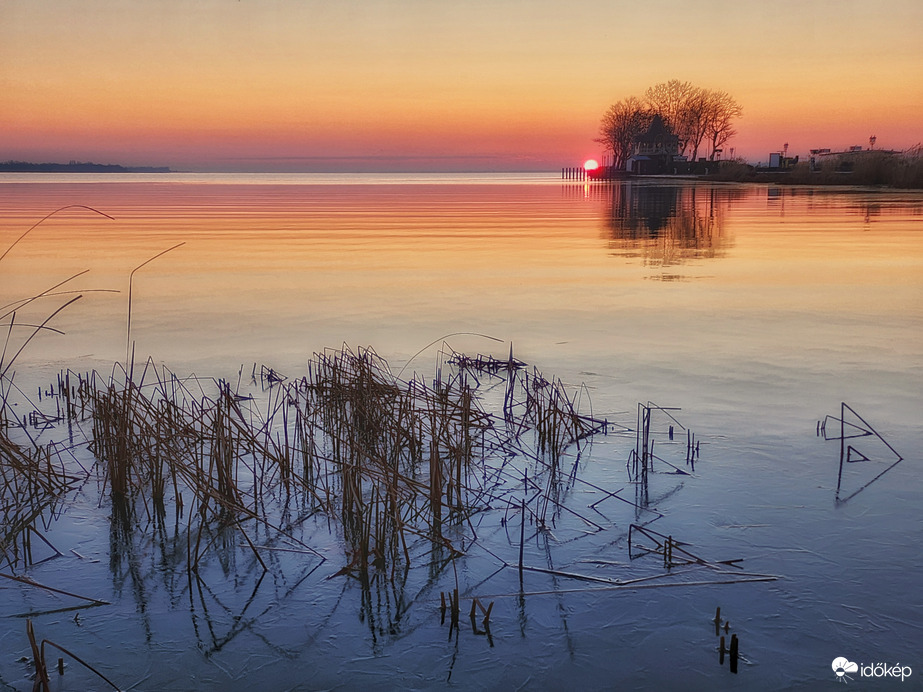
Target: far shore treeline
76,167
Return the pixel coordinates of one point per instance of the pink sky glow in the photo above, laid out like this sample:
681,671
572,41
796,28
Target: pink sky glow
410,85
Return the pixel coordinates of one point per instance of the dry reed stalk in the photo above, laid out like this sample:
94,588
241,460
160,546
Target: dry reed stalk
30,485
9,364
48,216
38,660
131,277
79,660
32,582
42,682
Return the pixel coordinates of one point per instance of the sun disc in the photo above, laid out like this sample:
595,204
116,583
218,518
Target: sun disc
590,165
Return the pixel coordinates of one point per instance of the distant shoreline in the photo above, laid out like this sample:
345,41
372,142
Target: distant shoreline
899,173
77,167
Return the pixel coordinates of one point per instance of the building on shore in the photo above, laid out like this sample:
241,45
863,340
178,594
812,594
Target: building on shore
846,160
655,152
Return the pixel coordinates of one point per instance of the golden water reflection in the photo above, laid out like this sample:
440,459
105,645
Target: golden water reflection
667,225
279,270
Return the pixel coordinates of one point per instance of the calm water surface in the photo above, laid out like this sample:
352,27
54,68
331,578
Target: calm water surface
754,310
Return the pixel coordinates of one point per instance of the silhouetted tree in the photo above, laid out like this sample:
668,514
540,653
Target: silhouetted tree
722,109
679,104
693,114
621,125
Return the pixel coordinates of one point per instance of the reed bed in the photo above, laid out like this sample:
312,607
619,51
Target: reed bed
398,469
392,461
32,481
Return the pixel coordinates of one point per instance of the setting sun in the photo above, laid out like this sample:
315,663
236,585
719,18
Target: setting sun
590,165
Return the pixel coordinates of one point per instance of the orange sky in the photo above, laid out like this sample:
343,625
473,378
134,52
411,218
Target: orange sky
423,85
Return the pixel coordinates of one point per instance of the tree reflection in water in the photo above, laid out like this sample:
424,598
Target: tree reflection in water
668,225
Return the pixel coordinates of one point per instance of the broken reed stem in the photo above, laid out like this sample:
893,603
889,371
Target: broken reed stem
131,277
32,335
42,681
79,660
48,216
38,660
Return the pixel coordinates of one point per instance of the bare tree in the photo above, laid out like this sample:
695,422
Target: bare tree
722,109
695,115
621,125
680,105
696,119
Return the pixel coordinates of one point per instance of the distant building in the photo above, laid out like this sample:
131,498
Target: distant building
655,151
779,161
845,160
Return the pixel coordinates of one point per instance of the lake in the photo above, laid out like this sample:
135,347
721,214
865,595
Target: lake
781,327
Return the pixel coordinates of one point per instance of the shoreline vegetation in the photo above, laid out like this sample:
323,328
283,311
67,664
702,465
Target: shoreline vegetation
884,169
874,169
77,167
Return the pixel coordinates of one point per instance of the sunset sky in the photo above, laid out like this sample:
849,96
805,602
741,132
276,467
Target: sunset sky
362,85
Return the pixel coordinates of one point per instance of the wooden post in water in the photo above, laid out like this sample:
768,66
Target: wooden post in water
522,537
